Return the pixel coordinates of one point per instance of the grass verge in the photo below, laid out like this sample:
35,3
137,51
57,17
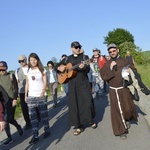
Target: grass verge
18,111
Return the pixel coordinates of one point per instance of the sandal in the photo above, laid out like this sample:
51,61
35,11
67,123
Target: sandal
94,125
78,131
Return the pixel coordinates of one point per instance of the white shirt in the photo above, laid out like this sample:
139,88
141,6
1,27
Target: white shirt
52,80
35,80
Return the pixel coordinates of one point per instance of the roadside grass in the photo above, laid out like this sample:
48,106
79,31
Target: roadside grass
145,74
143,70
18,111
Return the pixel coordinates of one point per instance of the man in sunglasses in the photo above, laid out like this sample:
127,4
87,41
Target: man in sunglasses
97,63
20,75
80,103
9,83
122,106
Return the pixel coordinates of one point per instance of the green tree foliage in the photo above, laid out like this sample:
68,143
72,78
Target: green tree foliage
125,42
127,46
118,36
146,58
135,51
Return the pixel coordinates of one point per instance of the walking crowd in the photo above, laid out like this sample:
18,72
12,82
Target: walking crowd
84,80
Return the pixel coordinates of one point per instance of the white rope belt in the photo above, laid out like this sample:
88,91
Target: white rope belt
121,113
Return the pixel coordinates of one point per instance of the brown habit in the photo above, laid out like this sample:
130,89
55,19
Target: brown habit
122,108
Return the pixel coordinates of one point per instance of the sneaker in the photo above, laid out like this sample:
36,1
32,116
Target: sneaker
34,140
46,134
8,141
123,136
20,131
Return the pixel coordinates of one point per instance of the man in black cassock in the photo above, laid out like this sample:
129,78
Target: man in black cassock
80,103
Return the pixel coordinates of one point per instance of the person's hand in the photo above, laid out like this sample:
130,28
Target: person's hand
128,70
2,125
61,68
42,94
14,102
113,63
81,65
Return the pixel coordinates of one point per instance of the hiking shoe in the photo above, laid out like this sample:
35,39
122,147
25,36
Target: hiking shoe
128,124
20,131
34,140
123,136
8,141
46,134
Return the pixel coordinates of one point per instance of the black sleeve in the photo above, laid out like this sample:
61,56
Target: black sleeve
15,86
3,95
63,62
86,67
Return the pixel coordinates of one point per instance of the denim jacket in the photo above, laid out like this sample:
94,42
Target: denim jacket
54,74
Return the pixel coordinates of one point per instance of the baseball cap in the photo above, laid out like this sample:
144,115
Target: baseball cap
3,65
76,44
22,57
96,49
112,45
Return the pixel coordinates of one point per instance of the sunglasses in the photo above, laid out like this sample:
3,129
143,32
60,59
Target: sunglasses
112,51
77,47
20,61
2,70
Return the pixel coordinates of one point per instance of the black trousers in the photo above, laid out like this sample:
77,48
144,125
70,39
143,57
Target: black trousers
140,82
24,108
9,117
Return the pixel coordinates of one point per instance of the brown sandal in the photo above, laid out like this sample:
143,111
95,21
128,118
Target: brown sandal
78,131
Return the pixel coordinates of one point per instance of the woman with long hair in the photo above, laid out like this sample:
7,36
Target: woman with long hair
36,97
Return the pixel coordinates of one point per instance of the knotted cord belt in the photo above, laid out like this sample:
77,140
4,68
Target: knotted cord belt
120,109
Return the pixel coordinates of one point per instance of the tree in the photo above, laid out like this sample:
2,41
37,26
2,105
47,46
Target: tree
127,46
134,51
118,36
54,60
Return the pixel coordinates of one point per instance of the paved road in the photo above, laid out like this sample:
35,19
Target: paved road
101,138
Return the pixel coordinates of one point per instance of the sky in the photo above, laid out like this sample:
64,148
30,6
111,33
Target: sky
47,27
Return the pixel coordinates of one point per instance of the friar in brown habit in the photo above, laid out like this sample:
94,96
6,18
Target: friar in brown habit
121,104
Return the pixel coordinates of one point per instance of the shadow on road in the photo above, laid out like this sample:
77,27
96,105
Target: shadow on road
100,104
58,129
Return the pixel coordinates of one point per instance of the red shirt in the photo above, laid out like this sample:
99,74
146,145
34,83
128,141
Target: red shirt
1,112
101,61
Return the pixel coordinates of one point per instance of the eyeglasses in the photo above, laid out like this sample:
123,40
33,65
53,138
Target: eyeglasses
2,70
20,61
112,51
77,47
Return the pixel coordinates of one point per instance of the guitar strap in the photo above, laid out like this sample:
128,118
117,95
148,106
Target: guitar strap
66,59
84,58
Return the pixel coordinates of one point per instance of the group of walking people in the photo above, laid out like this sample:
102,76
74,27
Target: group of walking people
31,80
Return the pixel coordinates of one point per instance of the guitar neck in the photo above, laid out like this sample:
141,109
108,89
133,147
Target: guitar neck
74,67
77,65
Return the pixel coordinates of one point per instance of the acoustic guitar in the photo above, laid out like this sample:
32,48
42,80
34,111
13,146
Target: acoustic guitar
69,72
